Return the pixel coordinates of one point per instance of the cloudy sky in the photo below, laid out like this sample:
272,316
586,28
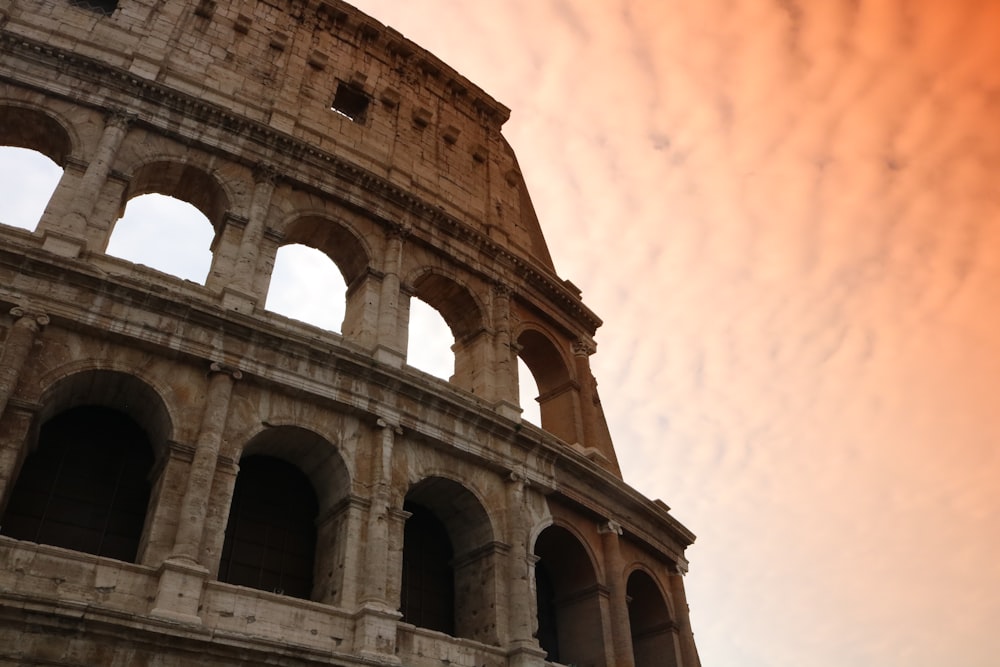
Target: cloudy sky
788,215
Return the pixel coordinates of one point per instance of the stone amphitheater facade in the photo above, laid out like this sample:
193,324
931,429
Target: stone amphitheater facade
186,478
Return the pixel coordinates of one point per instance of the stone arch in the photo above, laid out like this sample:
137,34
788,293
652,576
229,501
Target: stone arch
459,305
35,147
557,387
79,488
292,486
465,314
336,239
126,390
568,597
145,224
179,179
27,127
450,556
312,453
651,621
346,249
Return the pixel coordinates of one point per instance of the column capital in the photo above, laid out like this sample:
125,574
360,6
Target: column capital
610,527
120,118
265,174
584,347
502,289
518,477
29,317
397,230
219,367
381,422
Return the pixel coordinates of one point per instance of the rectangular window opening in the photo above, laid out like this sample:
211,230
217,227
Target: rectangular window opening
106,7
350,102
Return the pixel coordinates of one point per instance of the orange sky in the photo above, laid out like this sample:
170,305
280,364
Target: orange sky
788,215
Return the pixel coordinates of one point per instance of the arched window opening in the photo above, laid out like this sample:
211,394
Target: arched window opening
528,393
429,346
27,180
270,540
86,486
569,613
557,407
165,234
427,596
307,285
653,638
449,565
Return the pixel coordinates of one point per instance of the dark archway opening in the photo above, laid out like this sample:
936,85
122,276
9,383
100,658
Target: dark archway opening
270,541
653,638
569,613
86,487
427,596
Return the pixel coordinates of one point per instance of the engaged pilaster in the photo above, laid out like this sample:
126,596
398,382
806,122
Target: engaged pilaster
238,293
391,336
689,651
182,575
505,381
68,237
523,648
595,429
375,622
17,347
611,532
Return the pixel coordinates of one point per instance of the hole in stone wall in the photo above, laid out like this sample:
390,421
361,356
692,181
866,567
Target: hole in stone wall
528,392
350,102
430,341
27,180
307,285
106,7
165,234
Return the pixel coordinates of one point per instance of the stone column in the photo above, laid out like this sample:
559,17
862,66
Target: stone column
68,237
685,637
595,429
505,381
20,340
239,294
181,575
194,504
14,429
390,344
17,347
375,621
614,567
523,648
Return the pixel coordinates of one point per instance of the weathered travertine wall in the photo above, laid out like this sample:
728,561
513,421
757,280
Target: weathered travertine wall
412,193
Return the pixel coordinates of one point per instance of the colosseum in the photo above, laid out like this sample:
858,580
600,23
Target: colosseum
187,478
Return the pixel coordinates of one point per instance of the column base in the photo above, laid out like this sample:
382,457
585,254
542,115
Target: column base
389,357
375,633
63,245
525,653
179,591
236,300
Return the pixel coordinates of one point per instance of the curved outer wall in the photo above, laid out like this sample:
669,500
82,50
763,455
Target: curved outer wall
412,193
